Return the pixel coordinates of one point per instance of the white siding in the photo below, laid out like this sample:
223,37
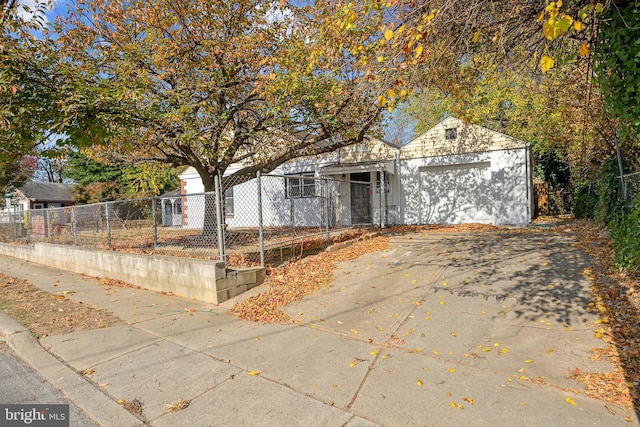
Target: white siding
488,187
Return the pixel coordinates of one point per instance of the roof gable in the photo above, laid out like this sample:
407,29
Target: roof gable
47,192
442,140
369,150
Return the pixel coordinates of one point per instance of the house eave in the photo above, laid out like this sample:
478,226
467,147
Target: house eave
340,169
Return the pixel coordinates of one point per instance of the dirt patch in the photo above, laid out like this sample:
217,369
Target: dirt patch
47,314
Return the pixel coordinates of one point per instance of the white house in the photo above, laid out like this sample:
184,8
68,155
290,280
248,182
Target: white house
453,173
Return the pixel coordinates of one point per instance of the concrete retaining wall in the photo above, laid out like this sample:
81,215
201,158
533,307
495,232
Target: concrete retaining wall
202,280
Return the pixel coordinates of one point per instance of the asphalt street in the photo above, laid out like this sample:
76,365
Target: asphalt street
21,384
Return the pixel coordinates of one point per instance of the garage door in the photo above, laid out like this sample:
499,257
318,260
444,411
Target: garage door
456,194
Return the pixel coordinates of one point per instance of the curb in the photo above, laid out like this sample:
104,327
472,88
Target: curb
100,408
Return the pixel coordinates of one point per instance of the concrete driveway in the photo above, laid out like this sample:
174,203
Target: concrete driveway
444,329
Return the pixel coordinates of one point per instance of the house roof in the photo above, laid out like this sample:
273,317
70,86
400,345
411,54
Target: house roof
172,193
47,192
469,138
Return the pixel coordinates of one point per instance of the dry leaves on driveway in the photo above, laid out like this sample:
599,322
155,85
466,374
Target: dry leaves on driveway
292,282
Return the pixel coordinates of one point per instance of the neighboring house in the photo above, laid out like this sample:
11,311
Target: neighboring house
40,195
171,203
454,173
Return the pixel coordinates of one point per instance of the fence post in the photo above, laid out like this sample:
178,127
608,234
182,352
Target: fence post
221,242
74,230
291,205
29,225
12,222
260,224
326,193
106,217
383,200
155,225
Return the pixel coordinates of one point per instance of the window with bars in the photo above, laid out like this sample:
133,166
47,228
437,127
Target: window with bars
299,187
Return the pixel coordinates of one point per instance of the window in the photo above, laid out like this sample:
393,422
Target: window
228,202
298,187
451,133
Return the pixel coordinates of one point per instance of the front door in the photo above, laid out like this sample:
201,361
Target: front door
360,198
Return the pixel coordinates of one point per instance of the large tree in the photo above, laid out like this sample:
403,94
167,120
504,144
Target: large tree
26,107
208,84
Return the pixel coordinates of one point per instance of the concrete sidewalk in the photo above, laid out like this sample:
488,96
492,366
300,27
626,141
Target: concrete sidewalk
442,330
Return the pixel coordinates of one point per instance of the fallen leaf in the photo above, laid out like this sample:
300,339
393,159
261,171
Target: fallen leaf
418,382
254,372
570,401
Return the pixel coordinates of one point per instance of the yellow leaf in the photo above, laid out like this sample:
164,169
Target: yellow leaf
453,404
254,372
451,370
550,30
584,49
468,399
391,93
374,352
559,4
120,401
403,93
388,34
354,331
476,36
504,351
453,334
486,349
546,63
419,382
418,51
528,361
382,101
540,16
442,302
570,401
599,8
578,26
380,58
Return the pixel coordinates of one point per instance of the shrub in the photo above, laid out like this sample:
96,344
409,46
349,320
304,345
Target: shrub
626,237
584,201
610,204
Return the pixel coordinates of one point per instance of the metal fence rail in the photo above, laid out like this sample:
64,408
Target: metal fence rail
268,219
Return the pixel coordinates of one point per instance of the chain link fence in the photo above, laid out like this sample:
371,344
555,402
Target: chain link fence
630,187
265,220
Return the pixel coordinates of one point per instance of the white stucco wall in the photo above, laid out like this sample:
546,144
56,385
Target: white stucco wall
502,192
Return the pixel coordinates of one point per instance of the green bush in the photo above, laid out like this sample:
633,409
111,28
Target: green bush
583,202
610,204
626,238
